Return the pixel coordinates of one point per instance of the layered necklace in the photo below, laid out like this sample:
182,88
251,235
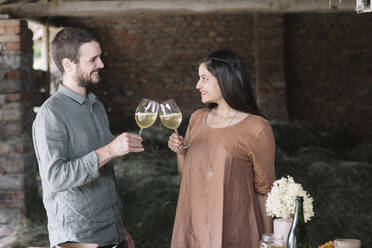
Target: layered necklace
209,173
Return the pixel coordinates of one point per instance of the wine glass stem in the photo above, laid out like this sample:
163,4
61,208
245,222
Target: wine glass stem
140,132
176,131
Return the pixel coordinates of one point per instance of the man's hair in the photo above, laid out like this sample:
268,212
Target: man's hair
66,44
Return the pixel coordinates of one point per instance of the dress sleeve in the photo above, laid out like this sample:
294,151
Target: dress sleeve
188,134
190,125
262,158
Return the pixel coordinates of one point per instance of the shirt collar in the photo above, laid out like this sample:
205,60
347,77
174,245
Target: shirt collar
75,96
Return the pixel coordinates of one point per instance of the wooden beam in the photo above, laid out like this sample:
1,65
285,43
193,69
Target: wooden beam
112,8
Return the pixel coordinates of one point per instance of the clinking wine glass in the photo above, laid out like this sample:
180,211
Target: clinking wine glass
171,117
146,113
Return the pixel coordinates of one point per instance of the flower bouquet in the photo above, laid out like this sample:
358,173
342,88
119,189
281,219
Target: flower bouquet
281,204
281,199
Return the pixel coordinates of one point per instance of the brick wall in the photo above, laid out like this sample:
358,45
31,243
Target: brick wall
329,70
269,65
16,157
323,59
155,56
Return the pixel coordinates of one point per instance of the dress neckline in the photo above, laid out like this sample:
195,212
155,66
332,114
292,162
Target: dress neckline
232,125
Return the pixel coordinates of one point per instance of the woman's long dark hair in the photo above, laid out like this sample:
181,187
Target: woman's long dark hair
231,74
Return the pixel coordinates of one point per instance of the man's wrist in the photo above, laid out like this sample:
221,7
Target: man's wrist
104,154
110,151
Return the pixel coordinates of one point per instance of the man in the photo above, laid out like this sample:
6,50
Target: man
73,144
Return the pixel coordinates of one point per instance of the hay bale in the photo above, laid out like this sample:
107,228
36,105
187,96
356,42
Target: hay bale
148,186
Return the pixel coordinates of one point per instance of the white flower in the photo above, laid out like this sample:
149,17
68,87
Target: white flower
281,199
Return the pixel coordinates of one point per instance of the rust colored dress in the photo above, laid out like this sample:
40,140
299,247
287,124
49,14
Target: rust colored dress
222,211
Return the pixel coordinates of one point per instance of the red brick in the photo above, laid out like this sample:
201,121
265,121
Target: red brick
6,232
13,30
15,97
13,46
10,38
12,204
14,74
12,129
12,195
9,23
19,148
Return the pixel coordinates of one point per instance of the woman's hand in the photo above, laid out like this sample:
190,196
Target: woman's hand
175,143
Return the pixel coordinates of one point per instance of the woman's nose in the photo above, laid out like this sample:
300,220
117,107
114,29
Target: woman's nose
198,85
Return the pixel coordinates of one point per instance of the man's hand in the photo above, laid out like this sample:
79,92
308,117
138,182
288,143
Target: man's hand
121,145
126,143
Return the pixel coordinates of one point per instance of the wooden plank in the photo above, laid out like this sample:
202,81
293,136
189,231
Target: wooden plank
110,8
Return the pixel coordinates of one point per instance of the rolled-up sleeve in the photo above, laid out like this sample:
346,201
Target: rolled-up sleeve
50,138
262,158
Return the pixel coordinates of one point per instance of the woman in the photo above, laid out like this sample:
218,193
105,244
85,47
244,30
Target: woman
229,166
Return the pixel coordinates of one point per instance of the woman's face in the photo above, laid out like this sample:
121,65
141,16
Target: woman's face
208,86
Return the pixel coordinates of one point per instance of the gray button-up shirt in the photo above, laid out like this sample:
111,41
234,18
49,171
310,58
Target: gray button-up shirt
80,199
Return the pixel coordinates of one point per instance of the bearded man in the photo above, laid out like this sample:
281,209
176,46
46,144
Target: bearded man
73,145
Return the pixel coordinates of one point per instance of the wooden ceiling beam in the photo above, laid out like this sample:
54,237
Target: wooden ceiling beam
112,8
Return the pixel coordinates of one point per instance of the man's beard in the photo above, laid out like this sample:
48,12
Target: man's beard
85,80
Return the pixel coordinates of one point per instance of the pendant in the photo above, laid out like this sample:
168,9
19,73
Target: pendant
209,174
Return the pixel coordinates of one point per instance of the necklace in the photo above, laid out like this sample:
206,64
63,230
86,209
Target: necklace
209,173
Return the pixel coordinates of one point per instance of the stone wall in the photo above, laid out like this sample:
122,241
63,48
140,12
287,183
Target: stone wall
16,153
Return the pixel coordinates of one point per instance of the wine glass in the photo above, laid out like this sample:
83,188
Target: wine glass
146,113
171,116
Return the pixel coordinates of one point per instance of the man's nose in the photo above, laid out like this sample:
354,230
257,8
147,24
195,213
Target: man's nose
100,63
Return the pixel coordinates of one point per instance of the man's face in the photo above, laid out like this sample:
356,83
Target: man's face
90,64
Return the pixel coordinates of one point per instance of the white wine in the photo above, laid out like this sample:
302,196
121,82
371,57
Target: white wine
171,121
145,120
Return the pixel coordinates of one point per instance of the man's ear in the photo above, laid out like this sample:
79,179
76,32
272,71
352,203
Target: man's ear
68,65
